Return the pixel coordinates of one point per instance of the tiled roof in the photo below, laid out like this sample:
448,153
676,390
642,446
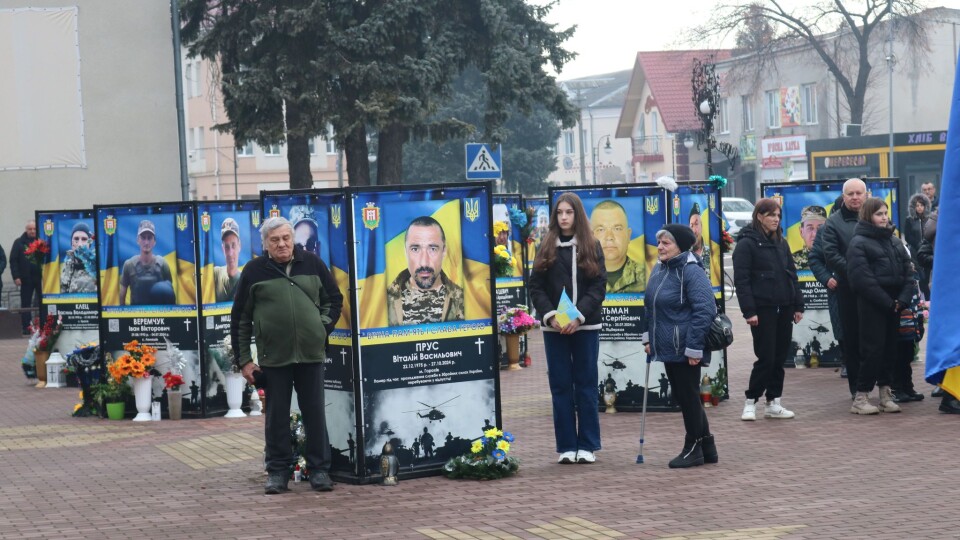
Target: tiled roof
668,75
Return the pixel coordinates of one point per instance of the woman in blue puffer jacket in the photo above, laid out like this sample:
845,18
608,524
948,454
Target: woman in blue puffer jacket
680,307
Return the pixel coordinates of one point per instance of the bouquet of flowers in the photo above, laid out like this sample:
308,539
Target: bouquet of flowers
115,388
726,242
529,227
486,460
48,333
516,320
518,217
503,262
37,252
137,362
172,381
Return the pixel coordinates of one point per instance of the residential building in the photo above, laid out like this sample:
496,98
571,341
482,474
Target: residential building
217,170
589,152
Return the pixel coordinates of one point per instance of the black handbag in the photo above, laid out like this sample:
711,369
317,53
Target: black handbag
720,334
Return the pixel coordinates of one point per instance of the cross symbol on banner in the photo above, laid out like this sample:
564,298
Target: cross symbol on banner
479,344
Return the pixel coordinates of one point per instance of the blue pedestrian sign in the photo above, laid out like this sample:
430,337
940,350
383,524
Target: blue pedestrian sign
483,163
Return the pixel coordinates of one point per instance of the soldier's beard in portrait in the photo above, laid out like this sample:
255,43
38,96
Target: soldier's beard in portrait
425,282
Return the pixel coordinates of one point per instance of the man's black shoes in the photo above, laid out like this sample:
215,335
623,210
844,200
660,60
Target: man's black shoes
276,483
320,481
950,405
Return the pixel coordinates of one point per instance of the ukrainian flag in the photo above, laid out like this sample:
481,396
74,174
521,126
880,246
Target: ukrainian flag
943,347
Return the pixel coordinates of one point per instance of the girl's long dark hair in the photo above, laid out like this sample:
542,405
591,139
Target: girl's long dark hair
870,207
766,207
587,257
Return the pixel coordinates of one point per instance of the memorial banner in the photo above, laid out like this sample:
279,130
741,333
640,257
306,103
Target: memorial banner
147,279
69,283
697,206
229,239
510,289
321,224
805,208
425,323
541,221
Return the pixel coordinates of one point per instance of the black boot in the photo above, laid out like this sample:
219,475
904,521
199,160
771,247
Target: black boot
709,449
690,456
949,404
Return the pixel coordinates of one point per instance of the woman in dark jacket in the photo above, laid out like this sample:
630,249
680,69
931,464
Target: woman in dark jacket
570,260
765,277
881,276
680,307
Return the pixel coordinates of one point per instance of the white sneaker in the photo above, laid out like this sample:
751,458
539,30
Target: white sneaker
585,456
775,410
567,458
749,411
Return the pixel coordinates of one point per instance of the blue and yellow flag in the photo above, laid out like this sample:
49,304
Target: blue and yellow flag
943,347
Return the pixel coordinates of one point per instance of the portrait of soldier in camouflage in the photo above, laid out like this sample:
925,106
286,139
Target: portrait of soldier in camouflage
609,223
423,293
811,219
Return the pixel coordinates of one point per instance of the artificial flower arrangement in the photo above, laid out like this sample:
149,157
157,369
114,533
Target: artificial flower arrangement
529,228
503,262
37,251
486,460
87,370
48,333
726,242
137,362
173,381
516,320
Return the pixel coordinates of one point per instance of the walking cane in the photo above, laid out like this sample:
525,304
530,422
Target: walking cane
643,411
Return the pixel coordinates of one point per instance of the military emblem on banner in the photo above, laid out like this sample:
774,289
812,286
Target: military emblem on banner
182,222
676,205
779,198
712,201
255,217
204,222
110,225
335,215
370,216
652,204
48,227
274,211
471,209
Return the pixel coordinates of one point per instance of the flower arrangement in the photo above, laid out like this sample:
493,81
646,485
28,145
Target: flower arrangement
173,381
516,320
298,440
717,181
48,333
136,363
486,460
529,228
37,251
726,242
503,262
518,218
112,390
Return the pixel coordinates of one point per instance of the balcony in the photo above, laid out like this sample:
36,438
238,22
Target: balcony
647,149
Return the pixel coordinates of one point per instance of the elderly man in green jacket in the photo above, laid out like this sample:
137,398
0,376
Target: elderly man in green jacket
289,302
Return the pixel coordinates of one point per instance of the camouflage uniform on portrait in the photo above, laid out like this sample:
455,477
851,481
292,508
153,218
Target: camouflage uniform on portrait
74,277
812,214
633,278
412,305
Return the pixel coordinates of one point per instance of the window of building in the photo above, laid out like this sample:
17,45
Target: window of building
272,150
555,148
655,131
328,139
723,116
245,150
746,114
773,108
312,146
568,142
808,93
642,127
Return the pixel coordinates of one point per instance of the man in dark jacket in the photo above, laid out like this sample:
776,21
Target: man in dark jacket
26,274
836,235
290,302
819,268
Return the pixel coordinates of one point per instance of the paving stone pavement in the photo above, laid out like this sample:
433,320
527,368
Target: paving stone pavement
825,474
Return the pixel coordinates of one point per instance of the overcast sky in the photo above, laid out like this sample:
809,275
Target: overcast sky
610,32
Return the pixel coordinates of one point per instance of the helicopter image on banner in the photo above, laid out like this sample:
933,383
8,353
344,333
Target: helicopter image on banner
434,410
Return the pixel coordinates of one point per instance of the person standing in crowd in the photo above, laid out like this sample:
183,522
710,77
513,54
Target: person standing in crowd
930,191
913,233
26,274
881,278
680,308
948,403
770,299
3,266
570,260
835,236
819,268
295,302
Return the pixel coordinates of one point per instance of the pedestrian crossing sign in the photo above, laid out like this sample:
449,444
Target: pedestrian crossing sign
484,161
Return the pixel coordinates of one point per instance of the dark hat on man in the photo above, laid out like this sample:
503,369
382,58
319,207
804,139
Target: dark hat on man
694,210
682,235
80,226
146,226
813,213
229,227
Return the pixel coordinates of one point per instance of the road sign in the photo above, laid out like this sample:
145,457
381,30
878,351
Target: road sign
483,163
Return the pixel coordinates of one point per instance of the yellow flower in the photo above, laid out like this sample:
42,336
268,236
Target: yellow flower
491,433
500,226
77,407
503,445
81,394
476,447
499,249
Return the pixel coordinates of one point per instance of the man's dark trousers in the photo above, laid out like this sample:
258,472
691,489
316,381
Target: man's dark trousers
307,378
29,297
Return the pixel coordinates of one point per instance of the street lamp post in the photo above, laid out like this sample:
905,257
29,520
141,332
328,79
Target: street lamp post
706,95
607,149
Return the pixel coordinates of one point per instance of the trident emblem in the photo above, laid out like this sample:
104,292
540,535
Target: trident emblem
182,222
471,208
652,204
255,217
335,215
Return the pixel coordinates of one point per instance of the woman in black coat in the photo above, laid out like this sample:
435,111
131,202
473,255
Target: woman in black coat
881,276
765,277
